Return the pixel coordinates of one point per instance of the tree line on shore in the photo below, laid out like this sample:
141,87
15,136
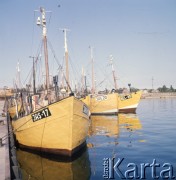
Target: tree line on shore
166,89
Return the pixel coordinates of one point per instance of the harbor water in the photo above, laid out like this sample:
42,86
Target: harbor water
143,143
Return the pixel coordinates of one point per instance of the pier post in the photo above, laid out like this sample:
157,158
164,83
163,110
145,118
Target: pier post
1,122
0,142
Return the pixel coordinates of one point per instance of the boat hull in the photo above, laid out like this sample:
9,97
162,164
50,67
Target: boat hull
102,104
63,132
111,104
63,152
128,103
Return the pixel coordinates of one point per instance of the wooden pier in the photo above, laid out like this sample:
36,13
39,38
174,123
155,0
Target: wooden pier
159,95
9,168
5,93
4,147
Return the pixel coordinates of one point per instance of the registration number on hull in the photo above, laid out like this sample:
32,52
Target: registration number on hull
101,98
41,114
125,97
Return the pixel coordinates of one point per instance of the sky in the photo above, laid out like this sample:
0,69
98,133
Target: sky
139,34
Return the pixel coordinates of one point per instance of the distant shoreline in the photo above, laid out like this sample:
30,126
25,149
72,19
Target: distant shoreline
158,95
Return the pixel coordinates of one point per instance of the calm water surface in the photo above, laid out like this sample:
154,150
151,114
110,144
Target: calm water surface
140,138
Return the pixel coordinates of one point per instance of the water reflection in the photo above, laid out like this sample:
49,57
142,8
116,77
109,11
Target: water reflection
103,131
34,166
129,126
104,125
129,121
112,125
102,142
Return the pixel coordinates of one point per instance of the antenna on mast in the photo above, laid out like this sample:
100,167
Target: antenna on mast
113,71
83,80
66,56
92,61
18,79
152,83
41,21
34,89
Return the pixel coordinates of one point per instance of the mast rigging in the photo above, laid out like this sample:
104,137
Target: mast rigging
113,72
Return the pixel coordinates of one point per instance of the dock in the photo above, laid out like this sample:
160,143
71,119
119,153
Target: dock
9,168
158,95
5,93
4,147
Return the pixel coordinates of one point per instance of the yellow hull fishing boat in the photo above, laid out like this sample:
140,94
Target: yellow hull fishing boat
59,128
114,103
13,111
48,123
128,103
102,104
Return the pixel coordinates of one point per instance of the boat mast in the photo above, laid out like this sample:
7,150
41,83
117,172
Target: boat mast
85,85
66,57
34,89
93,78
113,72
44,30
83,79
18,79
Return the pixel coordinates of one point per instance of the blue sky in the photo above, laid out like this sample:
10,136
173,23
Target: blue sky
140,34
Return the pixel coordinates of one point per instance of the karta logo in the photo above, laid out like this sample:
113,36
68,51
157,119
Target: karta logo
112,170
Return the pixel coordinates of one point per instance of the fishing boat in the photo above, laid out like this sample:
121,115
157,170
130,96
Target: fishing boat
128,102
58,127
111,103
14,104
14,108
100,104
